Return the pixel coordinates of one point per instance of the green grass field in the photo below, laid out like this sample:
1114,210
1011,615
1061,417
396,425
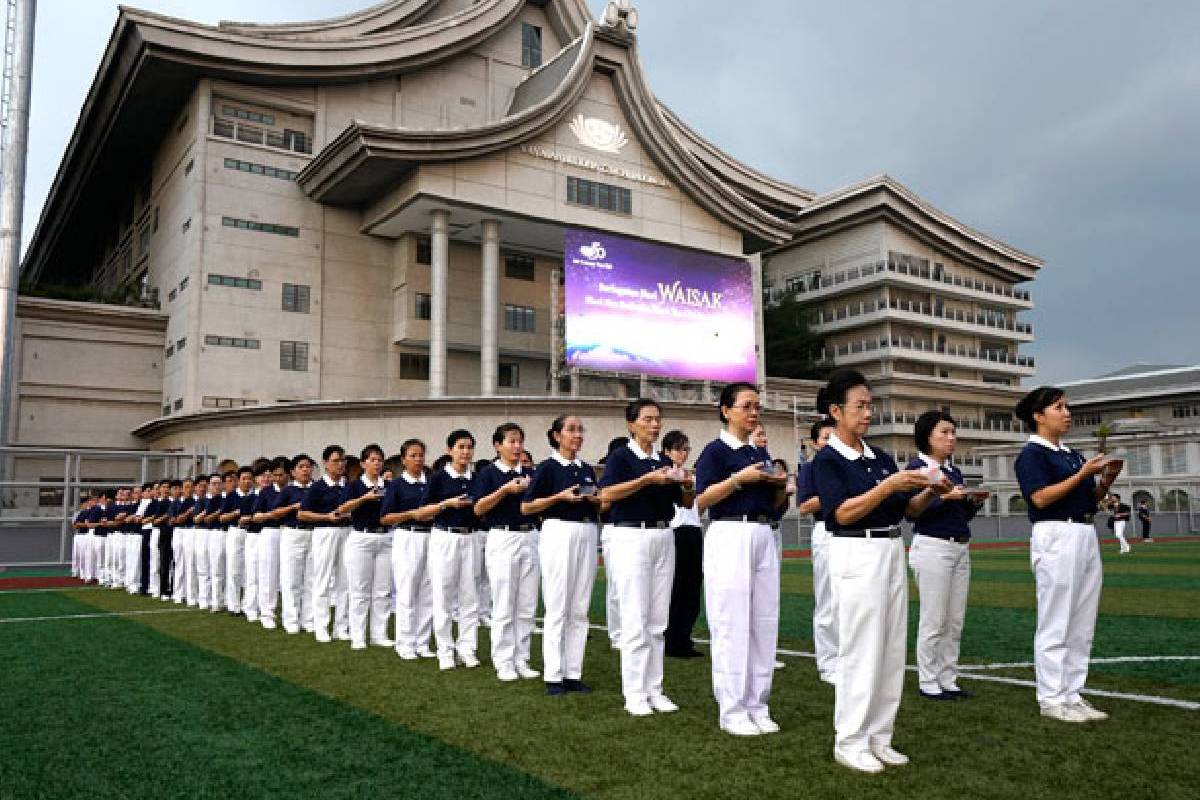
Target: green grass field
182,703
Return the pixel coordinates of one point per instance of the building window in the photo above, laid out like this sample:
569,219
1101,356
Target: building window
170,350
531,46
296,297
293,356
166,409
187,170
1137,459
1174,458
249,116
260,169
1186,411
518,267
236,283
179,404
510,375
414,367
227,402
171,295
183,283
186,226
1090,420
424,307
182,343
233,341
261,227
603,196
518,318
424,251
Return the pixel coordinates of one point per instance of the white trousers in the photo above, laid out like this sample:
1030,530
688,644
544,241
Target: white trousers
741,592
942,570
295,578
114,558
414,592
216,568
154,582
612,602
452,573
1066,568
870,592
512,569
77,545
250,594
643,564
196,547
825,638
330,585
133,562
89,557
235,567
483,588
368,559
179,541
1119,530
268,572
567,557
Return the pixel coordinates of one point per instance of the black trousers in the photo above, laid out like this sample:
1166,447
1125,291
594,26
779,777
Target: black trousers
1145,529
144,556
166,560
685,591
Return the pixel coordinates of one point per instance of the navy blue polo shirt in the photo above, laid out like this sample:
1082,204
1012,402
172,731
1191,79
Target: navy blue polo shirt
506,513
265,501
806,489
654,503
403,494
230,503
290,495
97,514
1039,465
723,457
839,478
323,498
442,485
366,516
551,477
944,518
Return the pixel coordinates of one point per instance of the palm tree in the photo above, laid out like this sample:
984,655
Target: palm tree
1102,433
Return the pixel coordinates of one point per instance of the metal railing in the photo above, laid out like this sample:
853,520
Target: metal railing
822,316
925,346
924,272
293,141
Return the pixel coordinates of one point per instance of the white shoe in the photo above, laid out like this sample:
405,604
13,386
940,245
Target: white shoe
382,643
766,724
323,636
662,704
741,727
407,655
527,672
178,601
253,618
292,631
1093,714
468,659
889,756
425,652
358,645
1064,712
829,677
267,623
859,760
780,665
639,708
507,675
343,636
446,664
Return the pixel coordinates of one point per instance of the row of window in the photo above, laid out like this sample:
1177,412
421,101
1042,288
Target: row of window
296,296
236,283
603,196
519,319
260,169
233,341
293,356
249,116
261,227
415,367
1186,411
227,402
517,266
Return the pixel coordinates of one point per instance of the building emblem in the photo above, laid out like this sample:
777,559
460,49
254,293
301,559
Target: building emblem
593,252
598,134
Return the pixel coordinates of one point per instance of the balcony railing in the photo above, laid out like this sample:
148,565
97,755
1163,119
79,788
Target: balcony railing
865,271
823,316
293,141
963,424
924,346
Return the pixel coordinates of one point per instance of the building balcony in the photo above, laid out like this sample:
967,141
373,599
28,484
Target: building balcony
902,274
291,141
869,312
900,423
869,350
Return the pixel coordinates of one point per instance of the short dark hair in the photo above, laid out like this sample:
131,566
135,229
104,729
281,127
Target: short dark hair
556,428
229,473
729,396
372,448
247,470
1036,402
635,408
925,425
840,383
457,435
504,430
296,460
330,450
614,444
674,440
261,464
147,485
176,484
200,478
779,462
824,422
408,444
280,462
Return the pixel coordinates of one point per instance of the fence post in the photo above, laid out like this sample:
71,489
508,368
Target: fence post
66,509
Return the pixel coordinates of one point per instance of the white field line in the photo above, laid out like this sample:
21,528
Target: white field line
95,616
52,589
1109,660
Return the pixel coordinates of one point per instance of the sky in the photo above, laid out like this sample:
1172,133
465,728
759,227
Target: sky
1070,130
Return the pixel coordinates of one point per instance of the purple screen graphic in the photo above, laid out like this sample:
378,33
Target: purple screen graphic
637,307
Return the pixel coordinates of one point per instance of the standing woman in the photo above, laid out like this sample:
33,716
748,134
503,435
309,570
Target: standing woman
741,564
864,496
1061,491
643,488
267,514
368,552
825,638
511,553
329,532
563,494
689,560
295,549
402,512
940,558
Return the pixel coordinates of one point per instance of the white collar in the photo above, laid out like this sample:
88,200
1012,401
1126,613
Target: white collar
241,493
370,485
732,441
500,465
330,482
557,456
209,496
449,468
637,451
1049,445
847,452
931,463
410,479
302,485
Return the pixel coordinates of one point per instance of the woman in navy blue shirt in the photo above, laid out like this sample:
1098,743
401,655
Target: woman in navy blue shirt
563,494
643,488
368,552
739,488
402,511
1061,492
863,498
825,640
940,558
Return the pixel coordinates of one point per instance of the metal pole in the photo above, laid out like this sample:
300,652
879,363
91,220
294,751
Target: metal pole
14,146
66,509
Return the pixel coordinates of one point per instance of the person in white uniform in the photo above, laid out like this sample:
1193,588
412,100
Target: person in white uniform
1061,491
235,513
612,598
825,638
330,586
368,553
402,511
295,550
269,514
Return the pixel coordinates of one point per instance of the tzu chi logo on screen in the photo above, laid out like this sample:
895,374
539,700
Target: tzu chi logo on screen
643,308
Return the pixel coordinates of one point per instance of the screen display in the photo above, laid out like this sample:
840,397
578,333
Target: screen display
653,309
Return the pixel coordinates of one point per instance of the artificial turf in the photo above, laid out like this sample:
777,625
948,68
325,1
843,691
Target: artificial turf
235,706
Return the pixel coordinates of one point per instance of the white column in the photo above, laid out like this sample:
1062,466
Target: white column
439,289
489,318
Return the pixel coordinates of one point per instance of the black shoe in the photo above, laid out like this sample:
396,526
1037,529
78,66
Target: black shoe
959,694
574,685
555,689
939,696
